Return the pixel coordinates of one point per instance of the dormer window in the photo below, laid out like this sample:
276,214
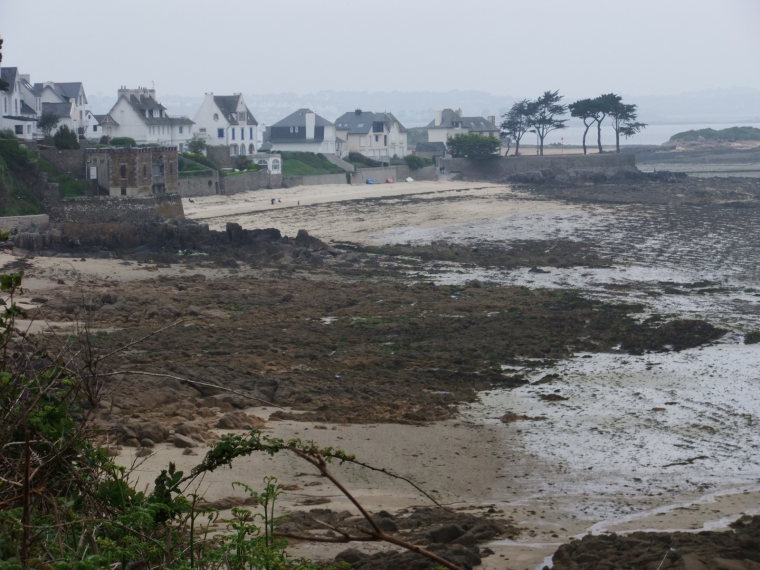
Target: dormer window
234,116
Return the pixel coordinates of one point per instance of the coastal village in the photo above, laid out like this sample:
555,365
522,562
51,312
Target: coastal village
322,343
137,148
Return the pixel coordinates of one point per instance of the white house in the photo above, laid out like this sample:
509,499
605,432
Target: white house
67,101
302,130
449,123
225,120
19,106
137,114
379,136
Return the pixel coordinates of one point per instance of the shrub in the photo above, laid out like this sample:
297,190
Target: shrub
105,139
65,138
123,141
415,162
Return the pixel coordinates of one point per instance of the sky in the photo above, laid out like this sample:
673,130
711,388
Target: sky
505,47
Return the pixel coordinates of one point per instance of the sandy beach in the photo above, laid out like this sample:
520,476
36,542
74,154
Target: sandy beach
473,461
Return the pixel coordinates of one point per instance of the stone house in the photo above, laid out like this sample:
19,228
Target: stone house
302,130
449,123
67,101
19,106
225,120
379,136
133,171
137,114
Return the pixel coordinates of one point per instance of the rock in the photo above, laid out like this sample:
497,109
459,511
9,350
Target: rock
235,420
143,452
446,533
146,442
183,441
351,556
153,431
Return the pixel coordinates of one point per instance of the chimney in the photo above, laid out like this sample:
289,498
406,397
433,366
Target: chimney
438,118
492,118
311,121
357,112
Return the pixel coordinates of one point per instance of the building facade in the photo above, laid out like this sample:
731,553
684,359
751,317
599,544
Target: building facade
379,136
225,120
304,131
134,171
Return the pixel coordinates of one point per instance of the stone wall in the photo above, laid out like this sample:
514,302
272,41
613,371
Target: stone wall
245,181
106,209
570,166
424,173
204,184
379,174
219,155
69,161
314,180
33,223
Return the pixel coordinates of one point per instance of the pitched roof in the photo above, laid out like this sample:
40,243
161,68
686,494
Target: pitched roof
360,122
143,103
70,90
298,119
61,110
228,105
430,147
451,119
26,109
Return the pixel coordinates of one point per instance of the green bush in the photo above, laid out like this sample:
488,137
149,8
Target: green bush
65,139
415,162
200,159
68,186
359,160
123,141
730,134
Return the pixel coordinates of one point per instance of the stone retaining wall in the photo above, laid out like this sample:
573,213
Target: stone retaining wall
314,180
32,223
106,209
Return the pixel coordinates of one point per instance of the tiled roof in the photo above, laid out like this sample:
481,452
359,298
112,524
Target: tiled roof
228,104
360,122
298,119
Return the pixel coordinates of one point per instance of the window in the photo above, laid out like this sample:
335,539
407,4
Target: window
242,133
232,131
145,171
377,138
385,139
123,170
181,129
275,165
220,133
19,129
203,130
216,116
123,191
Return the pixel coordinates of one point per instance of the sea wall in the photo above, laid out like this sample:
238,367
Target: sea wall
540,167
106,209
204,183
314,180
245,181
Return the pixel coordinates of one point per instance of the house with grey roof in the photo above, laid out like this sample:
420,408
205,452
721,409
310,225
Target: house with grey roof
19,106
225,120
379,136
449,123
67,101
138,115
302,130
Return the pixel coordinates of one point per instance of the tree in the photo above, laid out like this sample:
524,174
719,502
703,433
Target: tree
65,138
196,145
517,122
590,112
624,121
544,119
47,122
474,146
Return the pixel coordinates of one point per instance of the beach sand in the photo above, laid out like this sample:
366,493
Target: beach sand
464,463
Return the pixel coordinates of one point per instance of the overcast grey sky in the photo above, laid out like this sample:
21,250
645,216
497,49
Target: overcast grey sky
506,47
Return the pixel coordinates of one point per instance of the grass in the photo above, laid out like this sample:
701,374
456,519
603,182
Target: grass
68,186
307,163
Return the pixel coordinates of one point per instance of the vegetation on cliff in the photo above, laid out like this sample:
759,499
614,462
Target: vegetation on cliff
731,134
